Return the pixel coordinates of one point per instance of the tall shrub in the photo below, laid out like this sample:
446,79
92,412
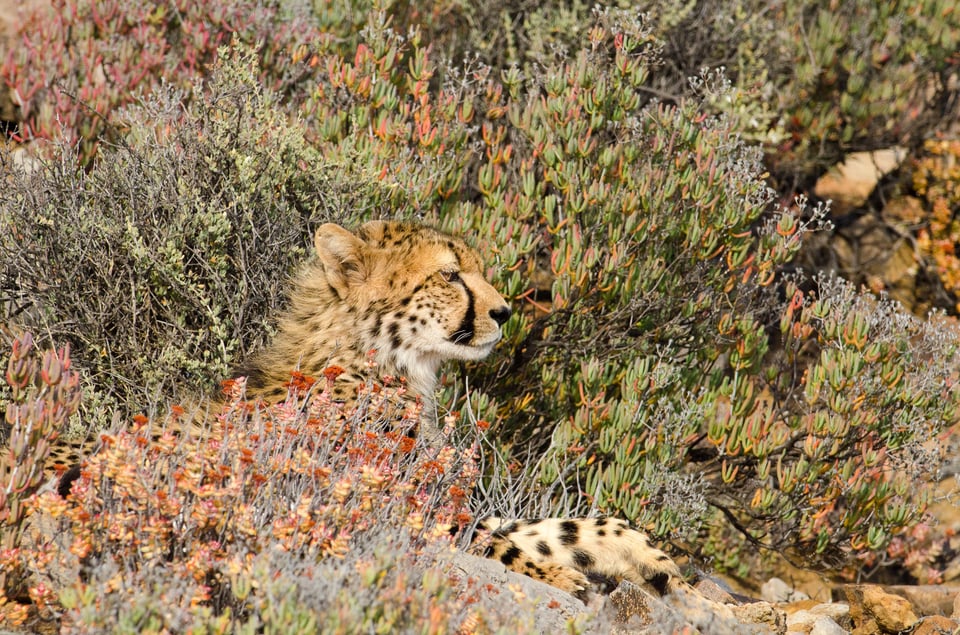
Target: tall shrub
163,263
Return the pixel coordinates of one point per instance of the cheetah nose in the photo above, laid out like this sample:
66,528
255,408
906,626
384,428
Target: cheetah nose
501,315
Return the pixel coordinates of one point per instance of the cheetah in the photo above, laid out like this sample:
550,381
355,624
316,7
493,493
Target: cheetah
415,296
418,297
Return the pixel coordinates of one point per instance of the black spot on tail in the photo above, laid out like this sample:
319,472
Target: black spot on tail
569,532
582,559
543,548
66,481
510,555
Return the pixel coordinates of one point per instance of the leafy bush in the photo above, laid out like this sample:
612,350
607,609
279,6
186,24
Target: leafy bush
658,263
80,60
813,80
44,394
809,80
936,179
831,453
270,520
863,76
162,265
662,246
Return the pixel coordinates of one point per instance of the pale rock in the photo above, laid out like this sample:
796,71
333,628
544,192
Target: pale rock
850,183
550,609
801,621
837,611
804,619
776,590
24,160
826,626
709,589
762,614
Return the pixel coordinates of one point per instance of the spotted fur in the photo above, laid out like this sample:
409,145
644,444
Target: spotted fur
579,554
414,295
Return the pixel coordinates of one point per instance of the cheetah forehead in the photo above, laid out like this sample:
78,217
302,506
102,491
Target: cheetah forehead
401,234
417,239
396,246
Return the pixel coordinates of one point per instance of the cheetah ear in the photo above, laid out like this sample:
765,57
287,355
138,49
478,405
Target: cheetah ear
341,254
372,232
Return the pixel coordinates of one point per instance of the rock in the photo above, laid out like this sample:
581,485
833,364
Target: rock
805,620
540,608
936,625
630,609
801,621
850,183
898,272
631,605
867,627
800,605
713,591
837,611
927,599
826,626
887,612
892,612
867,250
705,616
776,590
955,614
23,159
550,609
762,614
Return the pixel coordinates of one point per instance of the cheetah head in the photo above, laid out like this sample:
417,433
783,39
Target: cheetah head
421,293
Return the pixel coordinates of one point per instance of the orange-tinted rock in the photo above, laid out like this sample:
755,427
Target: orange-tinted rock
928,599
875,610
850,183
936,625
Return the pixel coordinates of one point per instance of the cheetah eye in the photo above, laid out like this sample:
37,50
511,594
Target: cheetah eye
450,276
